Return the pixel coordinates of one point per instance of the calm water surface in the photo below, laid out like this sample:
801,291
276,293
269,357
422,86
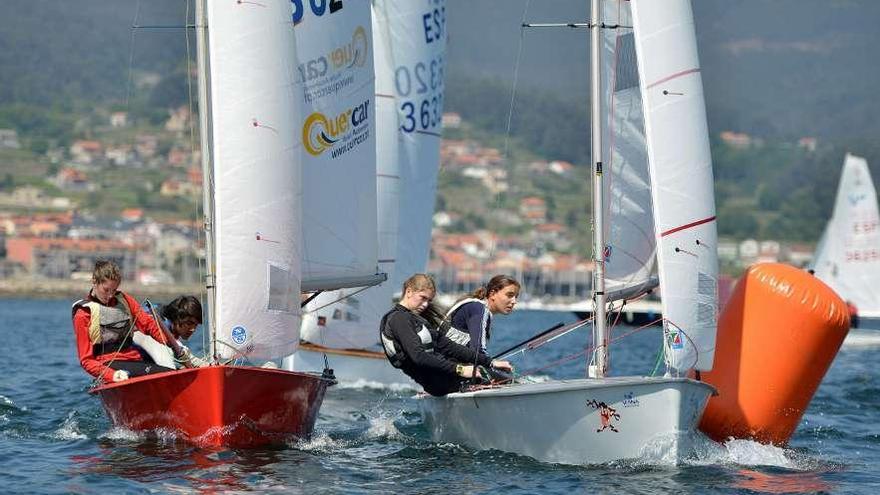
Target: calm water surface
55,438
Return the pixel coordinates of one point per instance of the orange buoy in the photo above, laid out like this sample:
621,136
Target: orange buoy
777,336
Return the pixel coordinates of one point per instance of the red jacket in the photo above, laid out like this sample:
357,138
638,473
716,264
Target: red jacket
97,365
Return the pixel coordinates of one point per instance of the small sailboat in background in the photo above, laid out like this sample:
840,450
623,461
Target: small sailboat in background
409,43
267,154
848,254
653,202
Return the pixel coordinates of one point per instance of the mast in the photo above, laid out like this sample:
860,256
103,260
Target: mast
600,331
207,173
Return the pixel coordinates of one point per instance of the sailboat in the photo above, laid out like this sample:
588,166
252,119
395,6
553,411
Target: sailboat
260,131
848,255
409,59
652,203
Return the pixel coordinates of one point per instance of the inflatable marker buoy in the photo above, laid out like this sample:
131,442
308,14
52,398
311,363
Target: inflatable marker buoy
777,336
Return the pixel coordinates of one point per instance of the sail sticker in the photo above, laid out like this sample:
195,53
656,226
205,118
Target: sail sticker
239,334
607,415
606,253
351,127
675,340
630,400
329,73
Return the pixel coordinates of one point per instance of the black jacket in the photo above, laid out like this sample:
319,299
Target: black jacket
431,365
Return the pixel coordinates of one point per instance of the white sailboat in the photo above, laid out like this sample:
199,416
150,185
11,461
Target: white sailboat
267,153
409,43
848,255
653,199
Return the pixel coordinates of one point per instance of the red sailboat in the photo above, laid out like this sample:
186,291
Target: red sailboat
252,116
233,406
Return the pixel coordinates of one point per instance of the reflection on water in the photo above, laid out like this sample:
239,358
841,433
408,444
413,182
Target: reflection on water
200,470
782,482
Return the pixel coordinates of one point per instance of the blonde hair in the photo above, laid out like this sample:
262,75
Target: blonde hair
419,281
106,270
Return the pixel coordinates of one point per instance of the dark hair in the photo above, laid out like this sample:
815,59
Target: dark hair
183,307
495,284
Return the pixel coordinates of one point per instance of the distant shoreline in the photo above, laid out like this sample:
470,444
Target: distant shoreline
27,288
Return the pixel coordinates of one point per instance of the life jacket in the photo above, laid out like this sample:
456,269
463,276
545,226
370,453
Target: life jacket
392,349
454,334
108,325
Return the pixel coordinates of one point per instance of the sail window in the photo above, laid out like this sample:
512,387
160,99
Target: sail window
283,290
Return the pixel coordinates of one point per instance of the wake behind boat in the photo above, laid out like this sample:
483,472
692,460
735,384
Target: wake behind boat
653,203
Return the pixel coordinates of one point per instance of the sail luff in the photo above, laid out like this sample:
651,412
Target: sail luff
599,366
201,22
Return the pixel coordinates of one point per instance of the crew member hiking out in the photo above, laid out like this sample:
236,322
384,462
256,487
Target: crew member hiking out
411,343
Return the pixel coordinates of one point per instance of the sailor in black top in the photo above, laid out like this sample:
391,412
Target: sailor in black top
435,362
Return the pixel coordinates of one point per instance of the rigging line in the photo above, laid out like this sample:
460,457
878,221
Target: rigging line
192,153
137,11
510,107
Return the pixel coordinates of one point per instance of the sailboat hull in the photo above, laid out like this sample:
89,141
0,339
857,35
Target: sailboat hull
219,405
582,421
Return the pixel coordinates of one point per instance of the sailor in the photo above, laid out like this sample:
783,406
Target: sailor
182,315
178,320
470,319
104,323
436,363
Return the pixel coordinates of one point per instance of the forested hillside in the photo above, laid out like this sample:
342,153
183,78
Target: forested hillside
777,70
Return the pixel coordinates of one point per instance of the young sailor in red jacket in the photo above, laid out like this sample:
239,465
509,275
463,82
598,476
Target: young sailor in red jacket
104,322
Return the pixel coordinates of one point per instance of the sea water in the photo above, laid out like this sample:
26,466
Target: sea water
55,438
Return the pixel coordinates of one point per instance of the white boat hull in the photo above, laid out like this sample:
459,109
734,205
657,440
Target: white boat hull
584,421
353,369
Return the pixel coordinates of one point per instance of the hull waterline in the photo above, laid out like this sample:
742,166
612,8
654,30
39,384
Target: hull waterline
585,421
228,406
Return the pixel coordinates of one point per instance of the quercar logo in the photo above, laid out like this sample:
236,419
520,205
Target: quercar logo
321,132
239,334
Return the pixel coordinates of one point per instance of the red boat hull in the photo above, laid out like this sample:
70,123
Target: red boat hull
229,406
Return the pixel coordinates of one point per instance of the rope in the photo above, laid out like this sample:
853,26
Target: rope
588,350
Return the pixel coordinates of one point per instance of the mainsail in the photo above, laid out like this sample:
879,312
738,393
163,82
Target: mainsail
334,69
681,179
256,180
848,256
630,246
409,57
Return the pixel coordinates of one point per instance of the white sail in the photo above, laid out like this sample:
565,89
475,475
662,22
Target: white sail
848,257
630,246
418,41
681,177
256,170
408,65
335,68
